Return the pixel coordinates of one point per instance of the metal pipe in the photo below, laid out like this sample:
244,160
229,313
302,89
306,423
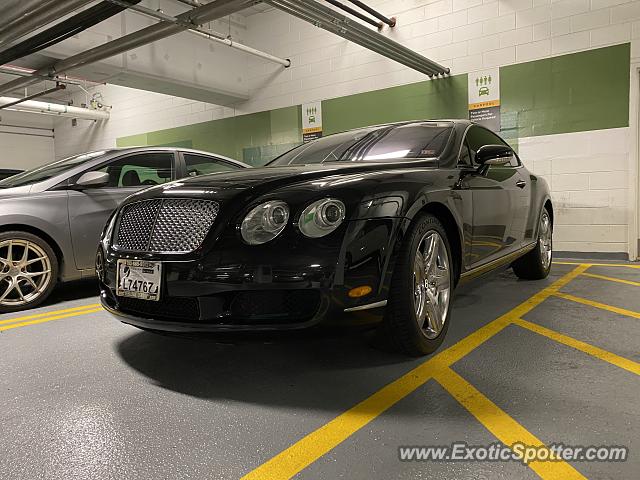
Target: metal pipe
328,19
43,15
32,106
191,3
198,16
355,13
28,72
209,34
20,10
332,21
32,96
389,21
63,30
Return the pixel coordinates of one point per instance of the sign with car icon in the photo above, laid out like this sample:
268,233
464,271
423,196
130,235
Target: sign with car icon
484,98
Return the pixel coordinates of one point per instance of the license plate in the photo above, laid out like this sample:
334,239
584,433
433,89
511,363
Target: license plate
139,279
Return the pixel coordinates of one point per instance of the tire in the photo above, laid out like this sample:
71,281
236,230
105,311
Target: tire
401,328
31,289
536,264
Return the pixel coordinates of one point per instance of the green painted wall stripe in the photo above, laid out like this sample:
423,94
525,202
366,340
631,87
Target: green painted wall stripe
438,98
570,93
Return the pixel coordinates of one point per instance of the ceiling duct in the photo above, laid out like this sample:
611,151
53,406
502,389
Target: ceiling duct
197,16
63,30
333,21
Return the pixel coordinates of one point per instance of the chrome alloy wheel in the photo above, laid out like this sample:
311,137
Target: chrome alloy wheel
431,284
545,239
25,272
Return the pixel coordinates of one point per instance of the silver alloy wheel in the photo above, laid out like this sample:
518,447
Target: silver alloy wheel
431,284
25,272
545,239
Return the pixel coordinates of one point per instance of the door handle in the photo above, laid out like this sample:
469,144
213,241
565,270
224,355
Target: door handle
521,184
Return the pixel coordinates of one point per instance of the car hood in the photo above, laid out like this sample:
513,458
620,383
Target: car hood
258,181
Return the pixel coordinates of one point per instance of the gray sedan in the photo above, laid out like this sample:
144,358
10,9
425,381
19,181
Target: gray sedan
51,217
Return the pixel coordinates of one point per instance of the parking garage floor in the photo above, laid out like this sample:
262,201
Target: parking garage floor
554,361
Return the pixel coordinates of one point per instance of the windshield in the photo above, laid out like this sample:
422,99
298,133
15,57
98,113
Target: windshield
48,171
373,144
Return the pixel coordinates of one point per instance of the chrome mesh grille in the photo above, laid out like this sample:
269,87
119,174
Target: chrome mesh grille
175,225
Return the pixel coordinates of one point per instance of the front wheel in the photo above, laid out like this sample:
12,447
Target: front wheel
536,264
28,271
417,314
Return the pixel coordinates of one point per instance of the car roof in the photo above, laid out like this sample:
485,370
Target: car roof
454,121
172,149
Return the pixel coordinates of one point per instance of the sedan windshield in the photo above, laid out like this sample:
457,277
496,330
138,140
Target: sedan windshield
48,171
374,144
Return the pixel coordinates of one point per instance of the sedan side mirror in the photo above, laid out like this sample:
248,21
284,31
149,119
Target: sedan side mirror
493,155
92,180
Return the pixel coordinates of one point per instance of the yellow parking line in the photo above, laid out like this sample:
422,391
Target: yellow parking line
612,279
46,314
602,306
310,448
500,424
48,319
627,265
599,353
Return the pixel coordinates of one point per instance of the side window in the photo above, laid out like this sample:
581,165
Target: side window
140,170
202,165
478,136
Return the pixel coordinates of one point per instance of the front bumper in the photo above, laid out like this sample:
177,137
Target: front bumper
282,286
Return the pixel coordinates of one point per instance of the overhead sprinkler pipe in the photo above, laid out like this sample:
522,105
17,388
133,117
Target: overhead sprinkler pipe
389,21
356,13
32,96
33,106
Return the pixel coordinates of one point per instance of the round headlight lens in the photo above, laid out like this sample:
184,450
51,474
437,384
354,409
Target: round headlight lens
265,222
322,217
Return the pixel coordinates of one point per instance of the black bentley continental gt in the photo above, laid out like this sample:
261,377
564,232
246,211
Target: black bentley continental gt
378,224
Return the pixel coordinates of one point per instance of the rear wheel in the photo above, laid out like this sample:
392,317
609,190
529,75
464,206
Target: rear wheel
536,264
417,314
28,271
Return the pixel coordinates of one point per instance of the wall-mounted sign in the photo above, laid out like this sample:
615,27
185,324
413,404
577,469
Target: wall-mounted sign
311,121
484,98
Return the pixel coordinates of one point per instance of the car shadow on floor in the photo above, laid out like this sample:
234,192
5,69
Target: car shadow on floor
72,291
302,369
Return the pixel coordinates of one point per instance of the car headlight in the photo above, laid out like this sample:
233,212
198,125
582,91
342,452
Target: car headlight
105,240
322,217
265,222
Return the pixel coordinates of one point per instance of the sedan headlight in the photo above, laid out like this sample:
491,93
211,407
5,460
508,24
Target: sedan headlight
265,222
321,217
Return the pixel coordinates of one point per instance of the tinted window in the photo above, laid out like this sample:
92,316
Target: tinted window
379,144
202,165
49,171
478,136
141,170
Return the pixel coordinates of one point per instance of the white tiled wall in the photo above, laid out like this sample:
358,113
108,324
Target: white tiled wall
588,173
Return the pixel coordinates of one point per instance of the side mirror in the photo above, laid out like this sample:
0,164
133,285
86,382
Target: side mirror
493,155
92,180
